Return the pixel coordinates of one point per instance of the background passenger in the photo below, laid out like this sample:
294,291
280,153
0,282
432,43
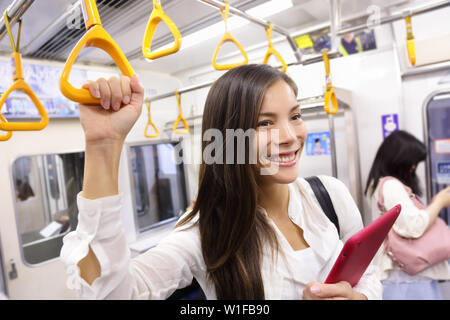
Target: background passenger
398,157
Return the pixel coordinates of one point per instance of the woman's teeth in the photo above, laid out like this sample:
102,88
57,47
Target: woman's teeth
284,158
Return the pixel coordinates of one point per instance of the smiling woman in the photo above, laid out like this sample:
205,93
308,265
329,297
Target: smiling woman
235,102
249,228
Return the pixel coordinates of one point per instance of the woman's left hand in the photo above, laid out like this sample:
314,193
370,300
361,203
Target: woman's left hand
336,291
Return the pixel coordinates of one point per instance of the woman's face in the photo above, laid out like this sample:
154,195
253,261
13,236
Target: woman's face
281,134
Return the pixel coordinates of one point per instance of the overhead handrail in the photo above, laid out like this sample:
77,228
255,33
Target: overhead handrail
96,36
14,11
180,117
410,46
314,59
20,85
271,50
8,134
329,95
227,37
150,123
156,17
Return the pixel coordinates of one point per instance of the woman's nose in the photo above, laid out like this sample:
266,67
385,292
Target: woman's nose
286,134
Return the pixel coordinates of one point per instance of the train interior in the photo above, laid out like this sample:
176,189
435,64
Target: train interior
379,87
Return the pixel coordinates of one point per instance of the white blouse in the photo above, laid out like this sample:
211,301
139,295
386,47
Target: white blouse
306,257
177,259
411,223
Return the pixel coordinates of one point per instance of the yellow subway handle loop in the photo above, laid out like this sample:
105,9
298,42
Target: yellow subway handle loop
156,17
150,123
329,95
227,37
20,85
97,37
8,135
271,50
180,117
410,46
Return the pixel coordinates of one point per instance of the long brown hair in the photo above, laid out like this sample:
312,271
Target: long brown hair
232,229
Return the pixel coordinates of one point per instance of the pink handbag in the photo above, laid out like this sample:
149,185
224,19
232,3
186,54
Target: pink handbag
414,255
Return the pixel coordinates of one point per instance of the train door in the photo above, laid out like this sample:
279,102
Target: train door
44,191
437,136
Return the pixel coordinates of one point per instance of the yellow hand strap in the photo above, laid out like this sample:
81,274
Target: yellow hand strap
228,38
90,14
271,50
20,84
96,36
410,41
150,123
329,92
180,117
8,135
156,17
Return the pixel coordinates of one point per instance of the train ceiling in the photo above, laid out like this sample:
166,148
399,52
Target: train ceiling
52,27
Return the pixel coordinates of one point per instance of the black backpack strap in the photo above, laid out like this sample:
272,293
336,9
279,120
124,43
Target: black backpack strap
324,199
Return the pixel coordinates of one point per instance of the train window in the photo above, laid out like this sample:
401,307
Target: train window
158,184
437,137
350,43
45,189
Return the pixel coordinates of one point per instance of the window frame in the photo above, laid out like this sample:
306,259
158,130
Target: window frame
142,232
16,214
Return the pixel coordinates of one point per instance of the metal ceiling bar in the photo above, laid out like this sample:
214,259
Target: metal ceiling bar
242,14
314,59
399,16
15,11
180,91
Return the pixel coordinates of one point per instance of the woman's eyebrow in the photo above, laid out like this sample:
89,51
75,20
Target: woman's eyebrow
271,114
295,107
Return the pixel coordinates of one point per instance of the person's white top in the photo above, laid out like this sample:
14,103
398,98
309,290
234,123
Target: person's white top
411,223
306,258
177,259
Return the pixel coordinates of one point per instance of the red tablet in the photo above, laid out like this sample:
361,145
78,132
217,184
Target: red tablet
360,249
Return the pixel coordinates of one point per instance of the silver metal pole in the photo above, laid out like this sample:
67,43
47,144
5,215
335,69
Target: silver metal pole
315,58
332,146
15,11
335,19
183,90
